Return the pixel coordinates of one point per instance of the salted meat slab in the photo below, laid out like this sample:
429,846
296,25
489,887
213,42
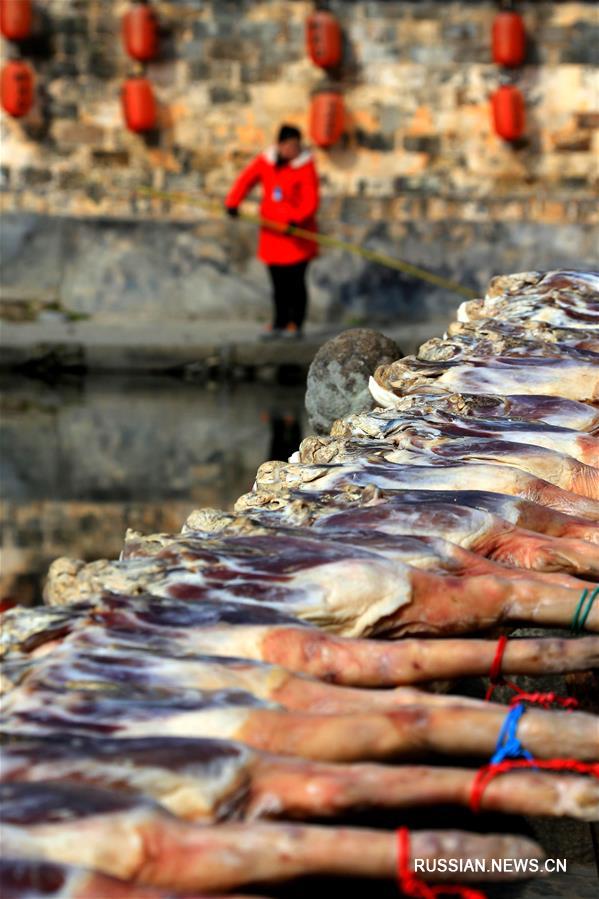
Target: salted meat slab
136,840
383,596
343,588
503,479
168,627
500,336
472,524
304,507
437,425
208,781
92,660
412,539
552,410
446,725
529,375
560,298
421,445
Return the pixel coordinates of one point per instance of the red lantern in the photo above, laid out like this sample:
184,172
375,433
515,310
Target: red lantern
509,39
16,88
327,118
323,39
139,105
509,116
140,33
15,19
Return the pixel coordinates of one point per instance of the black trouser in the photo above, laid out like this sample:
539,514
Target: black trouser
289,294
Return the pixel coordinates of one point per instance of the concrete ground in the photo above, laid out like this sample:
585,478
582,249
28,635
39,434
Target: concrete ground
201,345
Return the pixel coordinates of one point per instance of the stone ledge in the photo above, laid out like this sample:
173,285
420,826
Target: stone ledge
200,345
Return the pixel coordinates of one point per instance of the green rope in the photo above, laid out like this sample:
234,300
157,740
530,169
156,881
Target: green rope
583,610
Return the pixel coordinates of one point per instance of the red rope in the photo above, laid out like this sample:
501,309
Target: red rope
411,885
546,700
488,772
495,676
496,679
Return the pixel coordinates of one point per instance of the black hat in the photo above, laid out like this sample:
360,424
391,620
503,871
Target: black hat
288,132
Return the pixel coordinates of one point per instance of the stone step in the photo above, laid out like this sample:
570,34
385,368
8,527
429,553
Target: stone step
200,347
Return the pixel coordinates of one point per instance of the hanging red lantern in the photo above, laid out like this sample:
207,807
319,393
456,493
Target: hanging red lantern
140,32
15,19
139,105
509,39
16,88
323,39
327,118
509,117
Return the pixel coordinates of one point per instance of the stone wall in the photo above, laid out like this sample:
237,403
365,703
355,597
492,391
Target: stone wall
418,173
416,78
120,272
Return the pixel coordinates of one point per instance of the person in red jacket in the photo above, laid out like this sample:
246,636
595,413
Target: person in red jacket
289,182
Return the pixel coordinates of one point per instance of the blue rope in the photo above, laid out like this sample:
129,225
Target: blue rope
508,745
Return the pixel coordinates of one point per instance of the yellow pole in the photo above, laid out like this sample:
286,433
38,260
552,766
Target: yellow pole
324,240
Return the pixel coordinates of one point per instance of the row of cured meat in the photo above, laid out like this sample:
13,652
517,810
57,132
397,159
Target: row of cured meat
178,717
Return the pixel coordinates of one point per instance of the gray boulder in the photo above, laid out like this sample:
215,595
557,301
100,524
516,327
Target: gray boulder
338,376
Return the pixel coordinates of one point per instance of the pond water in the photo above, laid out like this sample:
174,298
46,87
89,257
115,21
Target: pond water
82,460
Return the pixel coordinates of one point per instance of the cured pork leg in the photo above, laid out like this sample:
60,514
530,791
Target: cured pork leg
282,476
304,507
572,379
334,585
134,839
99,664
429,553
90,662
447,726
260,633
393,426
28,878
494,337
551,410
475,528
342,588
421,447
585,340
562,299
213,780
463,347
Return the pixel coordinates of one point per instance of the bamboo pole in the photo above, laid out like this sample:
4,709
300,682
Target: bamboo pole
325,240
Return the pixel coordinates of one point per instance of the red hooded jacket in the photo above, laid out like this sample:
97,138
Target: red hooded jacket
290,195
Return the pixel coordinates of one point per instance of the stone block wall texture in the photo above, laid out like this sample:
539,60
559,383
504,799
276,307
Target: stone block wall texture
418,144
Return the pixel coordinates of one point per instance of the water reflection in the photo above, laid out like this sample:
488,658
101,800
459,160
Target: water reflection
85,459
